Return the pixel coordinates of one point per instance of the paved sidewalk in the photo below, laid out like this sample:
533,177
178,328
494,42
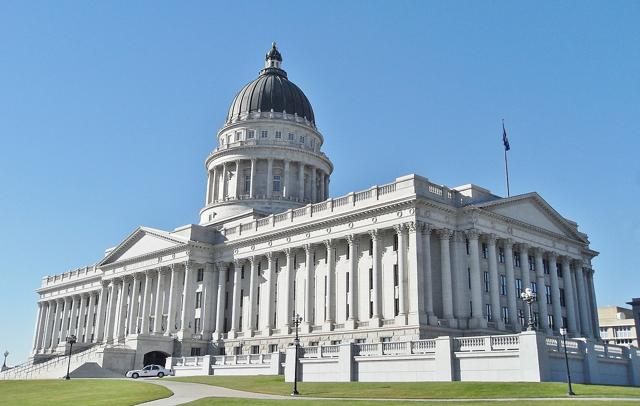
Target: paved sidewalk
184,392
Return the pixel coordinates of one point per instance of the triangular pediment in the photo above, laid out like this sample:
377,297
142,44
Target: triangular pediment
532,209
141,242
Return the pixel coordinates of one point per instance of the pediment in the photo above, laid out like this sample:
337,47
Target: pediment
532,209
141,242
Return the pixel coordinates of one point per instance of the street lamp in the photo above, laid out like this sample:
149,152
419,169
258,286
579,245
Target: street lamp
4,365
296,342
70,340
563,333
529,297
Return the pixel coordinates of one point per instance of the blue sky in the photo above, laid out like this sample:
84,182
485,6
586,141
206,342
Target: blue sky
108,110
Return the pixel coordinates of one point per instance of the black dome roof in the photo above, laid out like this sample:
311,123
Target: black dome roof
271,91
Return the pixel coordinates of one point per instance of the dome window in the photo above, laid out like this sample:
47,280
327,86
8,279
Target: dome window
251,134
276,183
302,139
278,134
291,136
263,134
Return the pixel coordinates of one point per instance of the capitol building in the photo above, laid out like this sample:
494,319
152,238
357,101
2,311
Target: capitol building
404,261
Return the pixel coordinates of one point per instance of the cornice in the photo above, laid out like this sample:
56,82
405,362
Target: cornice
239,149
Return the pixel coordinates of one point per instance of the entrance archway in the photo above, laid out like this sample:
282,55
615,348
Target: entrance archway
155,357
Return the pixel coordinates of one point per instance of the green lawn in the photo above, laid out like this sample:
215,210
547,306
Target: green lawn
256,402
416,390
85,392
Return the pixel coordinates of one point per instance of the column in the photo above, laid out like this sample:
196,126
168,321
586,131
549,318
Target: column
322,197
72,316
90,330
225,184
122,318
285,185
209,187
253,273
160,288
526,276
447,285
569,296
51,319
543,311
401,230
308,319
208,300
494,282
585,324
235,307
459,274
375,269
55,334
102,312
81,316
269,178
555,292
314,185
132,318
288,309
326,186
301,181
477,319
415,275
215,175
352,300
39,326
174,289
111,314
146,304
511,285
594,305
66,315
238,179
428,275
222,284
188,294
268,294
252,193
329,299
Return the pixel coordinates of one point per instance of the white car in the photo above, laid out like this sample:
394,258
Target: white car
149,370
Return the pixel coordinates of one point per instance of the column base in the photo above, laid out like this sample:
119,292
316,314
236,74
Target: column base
432,319
232,334
266,331
305,328
286,329
327,326
400,320
248,333
217,336
350,324
419,318
374,322
477,322
182,334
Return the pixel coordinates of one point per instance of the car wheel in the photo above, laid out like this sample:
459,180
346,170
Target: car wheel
160,374
135,375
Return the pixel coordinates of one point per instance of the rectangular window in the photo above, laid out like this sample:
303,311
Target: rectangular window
336,342
505,315
242,272
532,263
535,319
195,352
360,340
247,183
501,255
503,285
562,297
200,275
278,134
238,135
488,311
396,306
263,134
466,243
545,266
196,325
370,309
255,349
516,259
276,183
273,348
370,278
550,321
385,339
198,300
371,247
226,300
564,322
347,277
518,288
486,281
469,277
302,139
291,136
559,269
521,317
485,250
547,293
251,133
395,274
237,350
241,297
228,275
395,242
534,287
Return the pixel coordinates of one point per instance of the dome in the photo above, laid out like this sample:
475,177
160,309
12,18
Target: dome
271,90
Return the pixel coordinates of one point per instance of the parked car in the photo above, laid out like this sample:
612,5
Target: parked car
149,370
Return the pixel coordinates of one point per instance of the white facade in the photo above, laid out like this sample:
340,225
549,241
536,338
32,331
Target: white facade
407,260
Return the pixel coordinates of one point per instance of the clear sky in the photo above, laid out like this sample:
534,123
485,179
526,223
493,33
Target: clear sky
108,110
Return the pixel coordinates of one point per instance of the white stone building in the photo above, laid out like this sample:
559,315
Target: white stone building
406,260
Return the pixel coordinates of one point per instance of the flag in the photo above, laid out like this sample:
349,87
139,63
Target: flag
505,140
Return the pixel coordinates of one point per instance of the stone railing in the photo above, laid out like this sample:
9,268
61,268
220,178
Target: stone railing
74,275
396,348
242,359
407,186
487,343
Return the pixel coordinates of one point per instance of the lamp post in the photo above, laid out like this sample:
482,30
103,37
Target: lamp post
529,297
70,340
296,342
4,365
563,333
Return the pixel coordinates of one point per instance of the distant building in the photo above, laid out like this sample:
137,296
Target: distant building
617,324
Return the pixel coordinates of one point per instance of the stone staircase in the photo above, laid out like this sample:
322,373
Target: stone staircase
84,364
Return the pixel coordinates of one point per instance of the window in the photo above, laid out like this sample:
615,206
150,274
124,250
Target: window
302,139
469,277
197,325
371,247
532,263
550,321
347,277
395,242
237,350
370,308
564,322
521,317
518,287
622,332
466,242
198,300
255,349
238,135
545,266
559,269
360,340
200,275
276,183
501,255
228,275
291,136
242,272
503,285
547,293
486,281
247,183
251,134
485,250
370,278
385,339
395,274
273,348
313,343
516,259
241,298
336,342
535,319
488,311
226,300
562,297
505,315
278,134
263,134
534,287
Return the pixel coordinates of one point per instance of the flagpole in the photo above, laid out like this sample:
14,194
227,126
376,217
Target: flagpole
506,162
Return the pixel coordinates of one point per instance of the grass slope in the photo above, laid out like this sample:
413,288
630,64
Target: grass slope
86,392
407,390
256,402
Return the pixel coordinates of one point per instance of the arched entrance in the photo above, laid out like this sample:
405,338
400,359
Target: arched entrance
155,357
